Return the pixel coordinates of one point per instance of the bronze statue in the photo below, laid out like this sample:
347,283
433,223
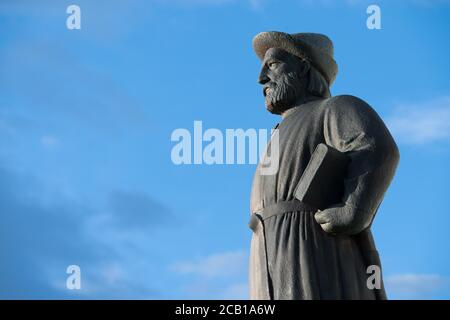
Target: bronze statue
297,250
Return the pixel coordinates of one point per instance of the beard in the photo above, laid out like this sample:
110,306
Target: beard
283,93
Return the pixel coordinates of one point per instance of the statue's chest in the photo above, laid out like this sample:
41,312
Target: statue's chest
299,134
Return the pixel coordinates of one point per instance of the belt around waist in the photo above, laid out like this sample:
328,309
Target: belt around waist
276,209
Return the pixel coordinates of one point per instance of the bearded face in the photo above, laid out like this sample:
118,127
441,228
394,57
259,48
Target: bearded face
282,85
280,95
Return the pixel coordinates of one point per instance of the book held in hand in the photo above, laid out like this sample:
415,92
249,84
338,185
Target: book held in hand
322,183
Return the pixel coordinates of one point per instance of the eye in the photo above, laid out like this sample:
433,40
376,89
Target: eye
273,64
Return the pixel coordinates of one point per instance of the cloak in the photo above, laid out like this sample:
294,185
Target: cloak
291,257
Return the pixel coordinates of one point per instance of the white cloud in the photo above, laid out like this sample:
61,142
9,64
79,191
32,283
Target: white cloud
216,265
221,275
49,142
257,4
421,123
412,285
237,291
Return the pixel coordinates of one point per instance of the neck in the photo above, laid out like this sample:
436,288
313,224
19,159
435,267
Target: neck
301,100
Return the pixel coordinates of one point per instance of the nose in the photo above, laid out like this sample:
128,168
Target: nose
263,78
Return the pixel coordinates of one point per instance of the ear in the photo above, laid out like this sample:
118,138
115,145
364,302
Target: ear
303,67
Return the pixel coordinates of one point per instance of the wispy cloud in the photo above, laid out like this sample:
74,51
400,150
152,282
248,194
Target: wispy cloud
236,291
219,264
421,123
221,275
415,286
135,210
42,237
49,141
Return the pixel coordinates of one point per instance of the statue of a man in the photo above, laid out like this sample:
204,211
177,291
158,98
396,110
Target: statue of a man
297,251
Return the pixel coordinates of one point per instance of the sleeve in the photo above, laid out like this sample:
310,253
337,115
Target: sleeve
353,127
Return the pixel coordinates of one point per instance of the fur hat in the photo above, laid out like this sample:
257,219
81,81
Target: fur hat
314,47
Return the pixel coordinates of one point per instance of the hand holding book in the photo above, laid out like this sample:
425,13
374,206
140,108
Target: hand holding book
322,185
342,219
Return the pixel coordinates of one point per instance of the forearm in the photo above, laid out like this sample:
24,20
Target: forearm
365,187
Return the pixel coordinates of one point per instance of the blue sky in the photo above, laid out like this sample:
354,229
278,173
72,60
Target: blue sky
86,117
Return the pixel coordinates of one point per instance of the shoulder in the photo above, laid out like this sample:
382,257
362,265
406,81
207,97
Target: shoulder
346,102
349,107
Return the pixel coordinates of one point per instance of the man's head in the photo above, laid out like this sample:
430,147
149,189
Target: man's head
295,68
289,80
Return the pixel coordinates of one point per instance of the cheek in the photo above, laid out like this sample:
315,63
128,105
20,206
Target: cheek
285,69
277,78
277,73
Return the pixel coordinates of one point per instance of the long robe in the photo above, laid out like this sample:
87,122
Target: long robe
291,257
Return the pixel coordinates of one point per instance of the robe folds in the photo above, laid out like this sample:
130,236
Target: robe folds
291,257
